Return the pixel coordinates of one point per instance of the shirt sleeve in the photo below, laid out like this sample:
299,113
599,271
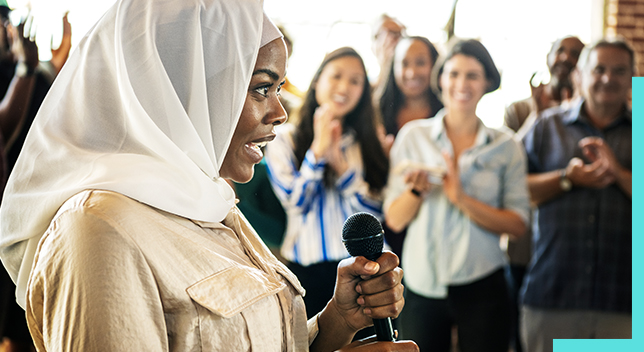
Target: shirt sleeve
295,187
91,290
299,188
399,153
515,188
531,144
353,188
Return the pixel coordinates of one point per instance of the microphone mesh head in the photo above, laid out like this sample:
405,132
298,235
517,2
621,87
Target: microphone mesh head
362,235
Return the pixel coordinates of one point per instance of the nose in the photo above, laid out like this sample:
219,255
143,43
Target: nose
409,72
277,114
607,76
342,86
564,56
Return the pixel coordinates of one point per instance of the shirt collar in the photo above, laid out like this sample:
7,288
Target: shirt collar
577,114
483,135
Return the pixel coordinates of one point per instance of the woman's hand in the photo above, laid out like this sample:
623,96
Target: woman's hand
327,130
418,180
59,56
23,46
372,345
451,181
364,290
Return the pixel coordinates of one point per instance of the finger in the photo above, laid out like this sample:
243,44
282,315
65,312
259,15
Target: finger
391,310
382,298
380,283
449,162
354,267
387,261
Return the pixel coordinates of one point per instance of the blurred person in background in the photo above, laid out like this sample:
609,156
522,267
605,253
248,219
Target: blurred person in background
579,282
326,167
454,266
406,95
386,31
519,117
559,88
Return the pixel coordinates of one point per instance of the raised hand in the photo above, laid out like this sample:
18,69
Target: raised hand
451,181
327,129
59,55
23,44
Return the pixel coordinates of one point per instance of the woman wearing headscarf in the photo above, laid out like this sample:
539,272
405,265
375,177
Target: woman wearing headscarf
454,267
117,224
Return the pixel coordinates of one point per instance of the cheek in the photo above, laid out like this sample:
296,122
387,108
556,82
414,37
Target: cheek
249,119
356,94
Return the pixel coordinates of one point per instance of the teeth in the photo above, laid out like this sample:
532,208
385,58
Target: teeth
462,96
339,99
258,145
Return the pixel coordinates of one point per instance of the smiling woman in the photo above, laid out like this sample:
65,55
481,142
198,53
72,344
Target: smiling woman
452,259
261,112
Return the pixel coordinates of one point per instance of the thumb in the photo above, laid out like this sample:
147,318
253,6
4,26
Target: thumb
354,267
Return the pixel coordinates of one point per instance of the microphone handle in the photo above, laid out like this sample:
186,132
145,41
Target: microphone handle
384,330
383,327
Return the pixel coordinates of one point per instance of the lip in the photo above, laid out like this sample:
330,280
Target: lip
254,148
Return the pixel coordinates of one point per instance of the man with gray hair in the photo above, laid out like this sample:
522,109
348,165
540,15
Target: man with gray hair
579,284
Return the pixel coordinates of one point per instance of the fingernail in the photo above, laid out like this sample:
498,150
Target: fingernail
358,289
371,266
361,301
366,311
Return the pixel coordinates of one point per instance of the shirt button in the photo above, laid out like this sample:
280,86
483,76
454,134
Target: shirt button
591,219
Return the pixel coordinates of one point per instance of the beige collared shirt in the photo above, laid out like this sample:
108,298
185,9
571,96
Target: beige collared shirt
113,274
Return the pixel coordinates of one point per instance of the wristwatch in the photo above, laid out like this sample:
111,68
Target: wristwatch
564,181
23,70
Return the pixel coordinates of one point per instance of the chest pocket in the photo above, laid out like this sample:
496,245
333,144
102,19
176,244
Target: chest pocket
233,289
239,310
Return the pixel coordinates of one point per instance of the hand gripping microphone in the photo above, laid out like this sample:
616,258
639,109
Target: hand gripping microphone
362,235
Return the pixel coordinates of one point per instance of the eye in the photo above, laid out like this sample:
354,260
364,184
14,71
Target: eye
263,90
279,88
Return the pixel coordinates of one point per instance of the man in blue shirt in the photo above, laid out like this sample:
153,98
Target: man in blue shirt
579,162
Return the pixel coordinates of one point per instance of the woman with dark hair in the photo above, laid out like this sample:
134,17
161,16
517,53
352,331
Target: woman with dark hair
326,167
407,94
453,263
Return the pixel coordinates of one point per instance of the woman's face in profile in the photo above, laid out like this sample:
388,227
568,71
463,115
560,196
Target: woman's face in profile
463,83
412,67
340,85
261,112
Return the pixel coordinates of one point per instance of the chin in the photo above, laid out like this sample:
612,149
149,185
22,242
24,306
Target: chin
244,177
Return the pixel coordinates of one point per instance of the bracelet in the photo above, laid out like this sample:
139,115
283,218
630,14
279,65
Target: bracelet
416,192
23,70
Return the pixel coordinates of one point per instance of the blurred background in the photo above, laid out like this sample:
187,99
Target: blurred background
518,33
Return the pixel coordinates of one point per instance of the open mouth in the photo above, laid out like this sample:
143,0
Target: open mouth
258,145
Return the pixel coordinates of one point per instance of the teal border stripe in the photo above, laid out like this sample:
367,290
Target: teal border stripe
636,344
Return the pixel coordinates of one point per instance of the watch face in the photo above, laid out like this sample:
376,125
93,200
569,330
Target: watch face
565,184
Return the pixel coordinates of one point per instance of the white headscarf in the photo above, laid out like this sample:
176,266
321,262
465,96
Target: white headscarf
146,106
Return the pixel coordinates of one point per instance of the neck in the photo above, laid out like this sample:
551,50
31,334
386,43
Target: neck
601,115
416,103
461,123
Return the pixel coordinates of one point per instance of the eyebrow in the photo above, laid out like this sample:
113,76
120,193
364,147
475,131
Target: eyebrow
274,76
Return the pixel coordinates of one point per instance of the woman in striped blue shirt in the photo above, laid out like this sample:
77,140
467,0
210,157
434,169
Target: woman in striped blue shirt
324,168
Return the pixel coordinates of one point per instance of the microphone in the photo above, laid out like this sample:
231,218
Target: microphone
363,235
